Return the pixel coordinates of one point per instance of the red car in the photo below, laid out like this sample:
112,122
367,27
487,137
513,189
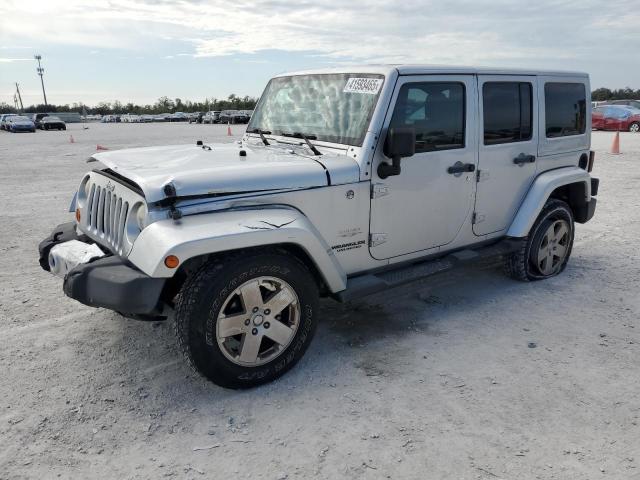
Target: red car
615,117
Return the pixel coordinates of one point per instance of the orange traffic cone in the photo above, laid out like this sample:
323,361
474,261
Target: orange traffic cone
229,130
615,147
100,147
71,140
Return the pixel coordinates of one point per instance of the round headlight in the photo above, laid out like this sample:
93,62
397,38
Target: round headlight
83,192
141,216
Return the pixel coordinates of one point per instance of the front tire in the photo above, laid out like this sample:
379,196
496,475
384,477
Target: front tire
634,127
246,320
546,250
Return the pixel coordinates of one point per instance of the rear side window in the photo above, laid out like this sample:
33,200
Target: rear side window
435,110
507,108
565,109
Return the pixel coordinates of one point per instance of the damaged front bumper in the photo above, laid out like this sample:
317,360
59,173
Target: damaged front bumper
107,282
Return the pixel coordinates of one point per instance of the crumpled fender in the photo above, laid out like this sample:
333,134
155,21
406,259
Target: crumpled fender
539,193
196,235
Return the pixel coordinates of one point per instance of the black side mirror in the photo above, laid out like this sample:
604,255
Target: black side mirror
400,142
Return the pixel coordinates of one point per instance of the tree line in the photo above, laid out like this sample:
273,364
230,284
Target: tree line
233,102
603,94
162,105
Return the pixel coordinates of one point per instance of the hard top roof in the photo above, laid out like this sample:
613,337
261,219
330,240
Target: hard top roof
410,69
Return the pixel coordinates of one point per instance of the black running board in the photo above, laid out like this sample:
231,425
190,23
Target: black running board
371,283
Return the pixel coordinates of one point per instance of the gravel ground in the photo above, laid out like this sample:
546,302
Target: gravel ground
466,376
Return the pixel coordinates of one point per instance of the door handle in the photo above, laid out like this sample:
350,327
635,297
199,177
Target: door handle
522,159
459,168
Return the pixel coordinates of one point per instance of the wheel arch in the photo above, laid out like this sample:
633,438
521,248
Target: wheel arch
199,238
570,184
173,284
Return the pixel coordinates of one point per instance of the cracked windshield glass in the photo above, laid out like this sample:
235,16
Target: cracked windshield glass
332,108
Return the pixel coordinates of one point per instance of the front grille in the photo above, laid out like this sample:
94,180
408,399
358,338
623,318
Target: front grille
106,208
107,215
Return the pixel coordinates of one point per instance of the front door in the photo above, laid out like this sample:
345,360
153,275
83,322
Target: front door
426,205
508,145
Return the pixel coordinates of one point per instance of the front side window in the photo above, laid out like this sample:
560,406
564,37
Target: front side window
435,110
507,108
565,109
333,108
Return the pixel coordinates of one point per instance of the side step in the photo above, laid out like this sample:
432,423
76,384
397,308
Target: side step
370,283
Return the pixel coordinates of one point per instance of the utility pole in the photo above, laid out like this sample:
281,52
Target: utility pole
41,72
19,96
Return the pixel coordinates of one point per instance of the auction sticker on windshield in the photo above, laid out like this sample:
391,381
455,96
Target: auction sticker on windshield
363,85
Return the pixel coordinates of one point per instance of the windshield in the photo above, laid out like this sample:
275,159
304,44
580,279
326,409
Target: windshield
19,119
333,108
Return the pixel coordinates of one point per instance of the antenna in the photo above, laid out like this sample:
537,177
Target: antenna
40,71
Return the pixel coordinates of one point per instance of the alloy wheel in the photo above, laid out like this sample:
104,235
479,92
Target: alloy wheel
257,321
553,248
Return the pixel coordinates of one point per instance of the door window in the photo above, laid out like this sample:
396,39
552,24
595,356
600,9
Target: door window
565,109
436,111
507,108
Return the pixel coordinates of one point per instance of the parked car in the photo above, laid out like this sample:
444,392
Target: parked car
37,119
233,116
51,123
628,103
391,174
19,123
211,117
110,119
4,118
178,117
146,118
196,117
615,117
130,118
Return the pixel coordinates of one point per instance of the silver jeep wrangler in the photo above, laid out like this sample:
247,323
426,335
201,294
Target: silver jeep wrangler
347,182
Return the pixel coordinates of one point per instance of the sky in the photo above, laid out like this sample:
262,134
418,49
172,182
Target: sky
139,50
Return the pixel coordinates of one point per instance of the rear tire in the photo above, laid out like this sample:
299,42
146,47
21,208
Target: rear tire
634,127
224,324
546,250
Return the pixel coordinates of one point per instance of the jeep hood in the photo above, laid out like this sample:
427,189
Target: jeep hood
198,171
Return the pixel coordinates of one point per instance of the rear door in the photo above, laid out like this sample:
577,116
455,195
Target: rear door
613,118
508,145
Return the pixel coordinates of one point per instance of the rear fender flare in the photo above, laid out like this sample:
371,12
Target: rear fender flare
540,191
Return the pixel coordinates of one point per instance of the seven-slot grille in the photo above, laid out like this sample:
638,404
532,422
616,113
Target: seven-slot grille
106,207
107,215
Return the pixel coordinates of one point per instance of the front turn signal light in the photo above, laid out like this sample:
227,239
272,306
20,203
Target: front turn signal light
171,261
78,215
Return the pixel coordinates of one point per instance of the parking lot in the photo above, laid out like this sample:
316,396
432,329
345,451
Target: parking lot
468,375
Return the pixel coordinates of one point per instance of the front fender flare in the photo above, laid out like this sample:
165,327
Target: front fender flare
196,235
540,191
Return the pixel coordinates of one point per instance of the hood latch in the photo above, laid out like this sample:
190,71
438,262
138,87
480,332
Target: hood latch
171,198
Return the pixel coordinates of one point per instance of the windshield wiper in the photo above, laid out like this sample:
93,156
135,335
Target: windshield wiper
306,138
261,133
